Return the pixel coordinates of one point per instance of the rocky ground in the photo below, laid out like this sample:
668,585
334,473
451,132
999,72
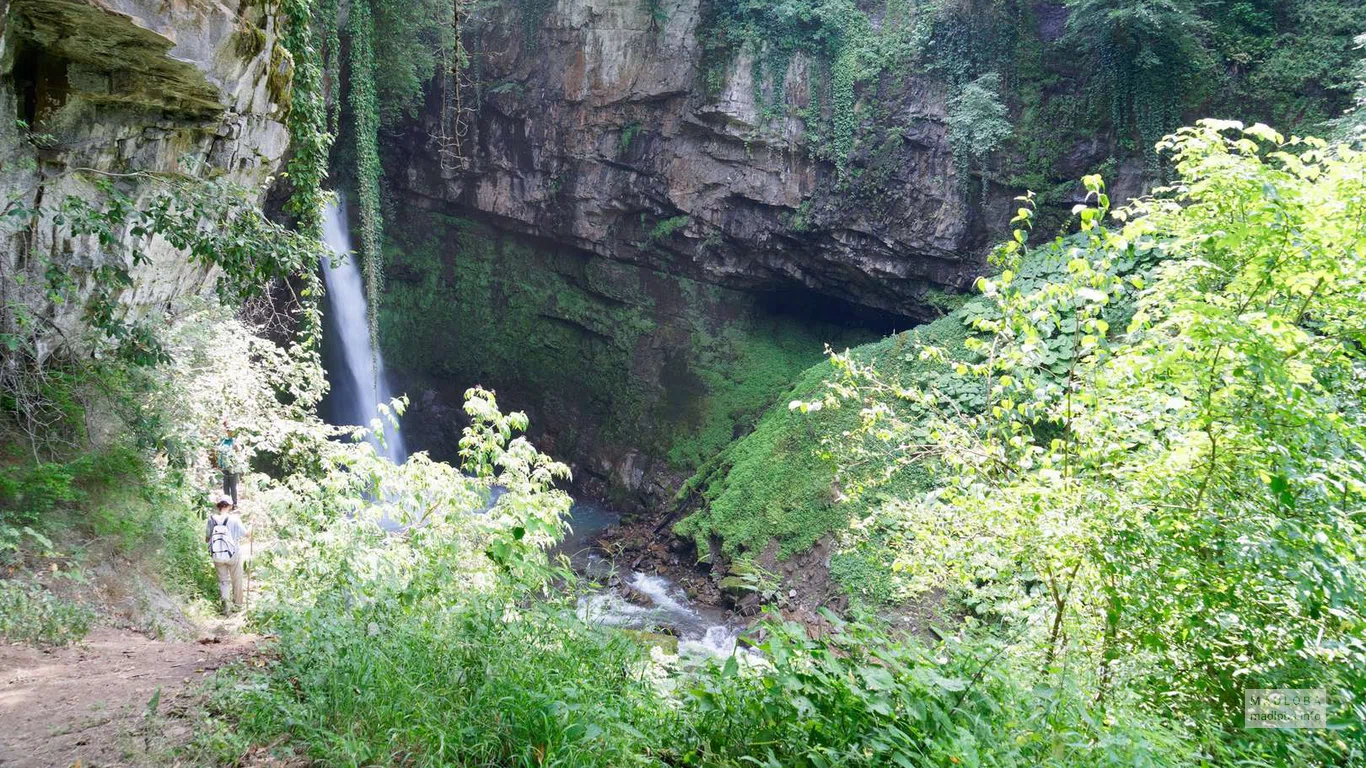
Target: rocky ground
645,543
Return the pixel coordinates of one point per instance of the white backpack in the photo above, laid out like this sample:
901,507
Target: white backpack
221,546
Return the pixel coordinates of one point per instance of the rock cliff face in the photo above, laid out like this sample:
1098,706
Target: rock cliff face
119,92
645,256
596,128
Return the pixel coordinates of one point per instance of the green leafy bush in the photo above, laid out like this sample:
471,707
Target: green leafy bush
860,697
667,227
979,122
31,614
28,493
1175,514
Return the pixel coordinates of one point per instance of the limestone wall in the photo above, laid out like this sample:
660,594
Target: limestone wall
112,92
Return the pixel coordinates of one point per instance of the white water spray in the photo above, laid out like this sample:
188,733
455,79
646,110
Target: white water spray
699,633
357,397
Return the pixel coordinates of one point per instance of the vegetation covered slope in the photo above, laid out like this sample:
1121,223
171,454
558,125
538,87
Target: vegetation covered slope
779,482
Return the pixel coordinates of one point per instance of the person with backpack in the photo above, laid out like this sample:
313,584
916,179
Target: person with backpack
228,457
226,536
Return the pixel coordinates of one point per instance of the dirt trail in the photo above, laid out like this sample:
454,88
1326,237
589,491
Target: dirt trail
89,702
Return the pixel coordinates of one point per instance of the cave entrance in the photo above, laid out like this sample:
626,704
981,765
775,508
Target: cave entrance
40,83
805,306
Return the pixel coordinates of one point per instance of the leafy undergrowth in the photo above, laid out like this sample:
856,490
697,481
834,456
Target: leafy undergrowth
455,642
1158,491
94,537
811,469
112,522
32,614
779,482
492,685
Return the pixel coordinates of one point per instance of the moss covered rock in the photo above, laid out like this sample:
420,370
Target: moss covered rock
778,486
639,375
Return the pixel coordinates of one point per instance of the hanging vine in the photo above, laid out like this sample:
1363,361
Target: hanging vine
453,125
365,111
845,122
311,141
331,20
308,134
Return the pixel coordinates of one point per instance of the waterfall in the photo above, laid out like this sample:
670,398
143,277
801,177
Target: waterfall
360,386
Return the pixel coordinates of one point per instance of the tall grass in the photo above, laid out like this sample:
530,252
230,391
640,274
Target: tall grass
490,684
484,685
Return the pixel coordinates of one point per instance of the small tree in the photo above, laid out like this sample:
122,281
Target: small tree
978,123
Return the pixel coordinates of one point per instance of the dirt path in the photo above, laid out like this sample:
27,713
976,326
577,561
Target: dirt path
89,702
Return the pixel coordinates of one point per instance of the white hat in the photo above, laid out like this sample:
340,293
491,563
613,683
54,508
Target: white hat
224,499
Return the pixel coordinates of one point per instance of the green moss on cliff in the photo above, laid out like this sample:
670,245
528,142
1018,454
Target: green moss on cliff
468,304
1123,70
613,357
777,483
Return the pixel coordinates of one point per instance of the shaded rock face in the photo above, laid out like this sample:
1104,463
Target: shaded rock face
113,93
594,128
633,375
648,255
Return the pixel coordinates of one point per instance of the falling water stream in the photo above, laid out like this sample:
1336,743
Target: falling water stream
361,386
358,385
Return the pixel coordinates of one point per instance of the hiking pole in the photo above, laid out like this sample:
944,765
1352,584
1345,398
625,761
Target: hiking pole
246,573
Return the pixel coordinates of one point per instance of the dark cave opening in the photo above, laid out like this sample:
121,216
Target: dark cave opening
808,307
40,83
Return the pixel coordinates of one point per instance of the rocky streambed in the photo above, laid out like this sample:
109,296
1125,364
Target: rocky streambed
670,604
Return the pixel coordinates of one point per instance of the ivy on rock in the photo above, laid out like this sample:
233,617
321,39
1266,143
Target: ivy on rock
365,113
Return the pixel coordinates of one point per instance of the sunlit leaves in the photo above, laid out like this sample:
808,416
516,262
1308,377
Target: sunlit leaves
1177,509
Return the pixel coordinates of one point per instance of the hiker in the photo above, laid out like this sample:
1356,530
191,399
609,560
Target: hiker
228,458
226,536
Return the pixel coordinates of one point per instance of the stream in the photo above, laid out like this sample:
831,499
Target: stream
659,606
701,631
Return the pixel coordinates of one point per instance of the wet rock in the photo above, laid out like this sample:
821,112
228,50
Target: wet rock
749,605
630,471
633,595
665,641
